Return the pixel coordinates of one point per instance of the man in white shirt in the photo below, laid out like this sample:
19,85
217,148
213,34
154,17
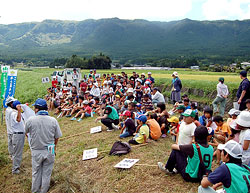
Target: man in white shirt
8,112
187,128
18,137
222,93
157,97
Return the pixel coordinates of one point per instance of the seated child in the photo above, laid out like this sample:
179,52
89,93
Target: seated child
117,103
174,122
85,111
180,109
77,107
222,131
185,158
233,113
207,118
68,107
155,129
143,134
128,128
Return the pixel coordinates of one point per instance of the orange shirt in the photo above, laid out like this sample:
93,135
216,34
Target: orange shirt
224,128
155,129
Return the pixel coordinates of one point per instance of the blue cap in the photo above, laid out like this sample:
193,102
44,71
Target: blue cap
142,118
138,104
15,103
40,102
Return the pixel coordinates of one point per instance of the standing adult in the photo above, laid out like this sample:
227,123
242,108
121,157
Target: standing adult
75,77
222,93
18,137
176,88
110,118
150,79
243,92
8,112
44,133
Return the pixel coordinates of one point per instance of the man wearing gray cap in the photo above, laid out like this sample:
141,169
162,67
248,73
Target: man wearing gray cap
233,175
44,133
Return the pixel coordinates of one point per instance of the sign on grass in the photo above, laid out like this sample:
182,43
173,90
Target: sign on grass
96,129
126,163
45,80
89,154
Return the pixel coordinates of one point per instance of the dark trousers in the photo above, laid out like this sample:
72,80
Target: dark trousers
243,106
178,160
108,122
132,141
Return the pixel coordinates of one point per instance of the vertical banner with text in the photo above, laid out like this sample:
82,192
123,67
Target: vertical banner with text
11,85
4,78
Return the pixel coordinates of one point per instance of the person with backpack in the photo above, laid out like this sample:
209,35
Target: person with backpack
176,88
233,175
192,161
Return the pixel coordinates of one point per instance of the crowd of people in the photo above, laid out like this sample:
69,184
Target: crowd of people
135,107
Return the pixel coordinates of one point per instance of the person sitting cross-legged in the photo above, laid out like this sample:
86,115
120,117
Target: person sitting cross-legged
232,174
185,158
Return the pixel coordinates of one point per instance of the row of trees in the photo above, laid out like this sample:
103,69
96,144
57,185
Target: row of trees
95,62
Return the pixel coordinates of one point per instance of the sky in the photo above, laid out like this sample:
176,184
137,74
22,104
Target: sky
17,11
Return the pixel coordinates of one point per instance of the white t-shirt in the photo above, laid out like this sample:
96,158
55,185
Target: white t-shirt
7,120
186,133
16,126
245,136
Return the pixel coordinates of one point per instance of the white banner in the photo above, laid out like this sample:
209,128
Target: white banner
89,154
96,129
126,163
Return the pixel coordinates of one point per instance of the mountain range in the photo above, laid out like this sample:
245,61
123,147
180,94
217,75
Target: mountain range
126,38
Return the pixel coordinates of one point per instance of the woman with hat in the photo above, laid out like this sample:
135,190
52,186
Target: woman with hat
222,93
176,88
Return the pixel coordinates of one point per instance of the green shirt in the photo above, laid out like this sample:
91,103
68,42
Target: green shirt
194,162
113,114
240,179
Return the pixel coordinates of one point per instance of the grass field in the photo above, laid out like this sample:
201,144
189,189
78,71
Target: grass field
71,174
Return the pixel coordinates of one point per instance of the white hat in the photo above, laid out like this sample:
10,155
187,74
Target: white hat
138,80
130,90
105,82
175,73
96,84
147,82
232,148
243,119
149,73
118,75
233,125
85,102
143,74
9,100
234,112
119,84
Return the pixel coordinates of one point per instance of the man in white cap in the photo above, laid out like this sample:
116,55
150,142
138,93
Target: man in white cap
8,112
176,88
233,175
151,79
18,136
44,133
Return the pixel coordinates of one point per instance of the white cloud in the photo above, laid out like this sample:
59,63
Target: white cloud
226,9
14,11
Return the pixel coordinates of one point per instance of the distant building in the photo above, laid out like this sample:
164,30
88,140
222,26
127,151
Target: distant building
233,65
194,67
245,65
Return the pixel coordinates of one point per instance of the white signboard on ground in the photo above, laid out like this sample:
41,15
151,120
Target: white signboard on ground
126,163
45,80
96,129
89,154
